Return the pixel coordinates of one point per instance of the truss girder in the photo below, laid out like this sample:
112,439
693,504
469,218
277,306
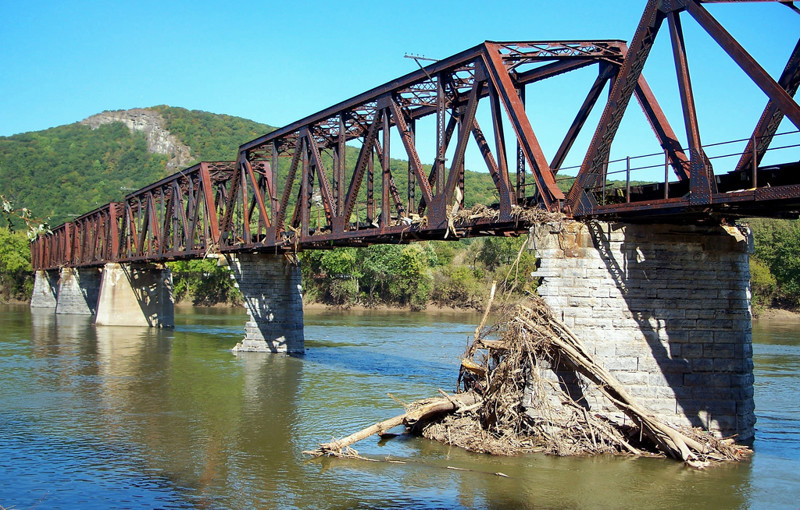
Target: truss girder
696,168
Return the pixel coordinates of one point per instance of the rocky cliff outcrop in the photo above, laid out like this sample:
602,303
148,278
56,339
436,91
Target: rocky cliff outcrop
149,122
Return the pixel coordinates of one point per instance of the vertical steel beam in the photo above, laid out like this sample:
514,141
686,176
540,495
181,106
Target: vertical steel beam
520,192
341,160
501,81
364,156
408,137
287,187
306,188
113,218
500,178
210,206
324,186
386,210
465,124
701,177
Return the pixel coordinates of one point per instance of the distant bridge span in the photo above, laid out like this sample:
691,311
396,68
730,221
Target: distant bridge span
296,188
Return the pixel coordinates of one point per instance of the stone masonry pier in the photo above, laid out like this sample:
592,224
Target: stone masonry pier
45,289
272,290
78,290
665,308
118,295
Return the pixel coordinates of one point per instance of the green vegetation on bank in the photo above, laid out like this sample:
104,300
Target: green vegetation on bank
204,283
16,277
775,263
455,274
444,273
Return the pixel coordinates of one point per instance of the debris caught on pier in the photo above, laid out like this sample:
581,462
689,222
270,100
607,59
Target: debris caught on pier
509,401
525,410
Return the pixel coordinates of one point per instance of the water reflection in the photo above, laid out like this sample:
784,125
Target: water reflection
110,416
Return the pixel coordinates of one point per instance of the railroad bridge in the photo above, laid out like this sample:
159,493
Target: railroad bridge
654,275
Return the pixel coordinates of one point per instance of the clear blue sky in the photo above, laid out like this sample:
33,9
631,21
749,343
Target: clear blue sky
276,62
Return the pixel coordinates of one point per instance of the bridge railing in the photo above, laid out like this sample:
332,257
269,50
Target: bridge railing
633,178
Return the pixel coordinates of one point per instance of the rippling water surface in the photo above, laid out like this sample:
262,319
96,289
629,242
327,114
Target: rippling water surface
105,417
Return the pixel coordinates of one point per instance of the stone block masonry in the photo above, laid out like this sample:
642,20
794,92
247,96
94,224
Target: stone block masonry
78,291
272,290
665,308
45,289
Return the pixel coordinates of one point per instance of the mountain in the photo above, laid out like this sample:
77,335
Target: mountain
66,171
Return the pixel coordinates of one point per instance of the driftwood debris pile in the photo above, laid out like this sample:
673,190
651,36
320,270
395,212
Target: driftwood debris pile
509,402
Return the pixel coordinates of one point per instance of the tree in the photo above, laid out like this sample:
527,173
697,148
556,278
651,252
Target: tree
205,282
15,265
777,258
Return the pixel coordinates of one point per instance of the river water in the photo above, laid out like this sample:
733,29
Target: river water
105,417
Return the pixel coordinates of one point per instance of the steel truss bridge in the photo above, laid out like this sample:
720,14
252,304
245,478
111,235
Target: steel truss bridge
329,180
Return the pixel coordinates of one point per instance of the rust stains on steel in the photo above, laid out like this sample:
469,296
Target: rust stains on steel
296,188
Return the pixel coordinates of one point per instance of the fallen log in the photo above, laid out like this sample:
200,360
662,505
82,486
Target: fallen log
417,413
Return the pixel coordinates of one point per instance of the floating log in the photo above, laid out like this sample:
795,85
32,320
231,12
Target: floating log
418,412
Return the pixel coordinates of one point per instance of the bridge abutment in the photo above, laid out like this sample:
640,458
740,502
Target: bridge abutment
136,295
45,289
78,291
665,308
272,290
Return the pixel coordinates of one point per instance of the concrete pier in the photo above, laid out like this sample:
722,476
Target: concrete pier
45,289
665,308
78,291
136,295
272,290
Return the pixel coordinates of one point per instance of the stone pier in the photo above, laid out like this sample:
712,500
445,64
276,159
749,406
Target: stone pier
78,290
665,308
45,289
136,295
272,290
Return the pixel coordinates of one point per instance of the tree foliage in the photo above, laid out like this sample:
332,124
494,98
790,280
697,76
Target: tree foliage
775,265
204,282
15,265
444,273
211,136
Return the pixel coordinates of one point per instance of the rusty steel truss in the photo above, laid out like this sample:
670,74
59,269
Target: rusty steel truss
335,177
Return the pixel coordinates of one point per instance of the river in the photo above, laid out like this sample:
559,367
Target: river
107,417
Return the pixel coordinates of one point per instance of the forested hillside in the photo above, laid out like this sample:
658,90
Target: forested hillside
69,170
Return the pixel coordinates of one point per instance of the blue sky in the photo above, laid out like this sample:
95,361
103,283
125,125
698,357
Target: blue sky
276,62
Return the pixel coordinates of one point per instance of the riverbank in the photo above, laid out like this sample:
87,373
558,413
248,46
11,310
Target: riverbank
768,314
430,308
778,314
